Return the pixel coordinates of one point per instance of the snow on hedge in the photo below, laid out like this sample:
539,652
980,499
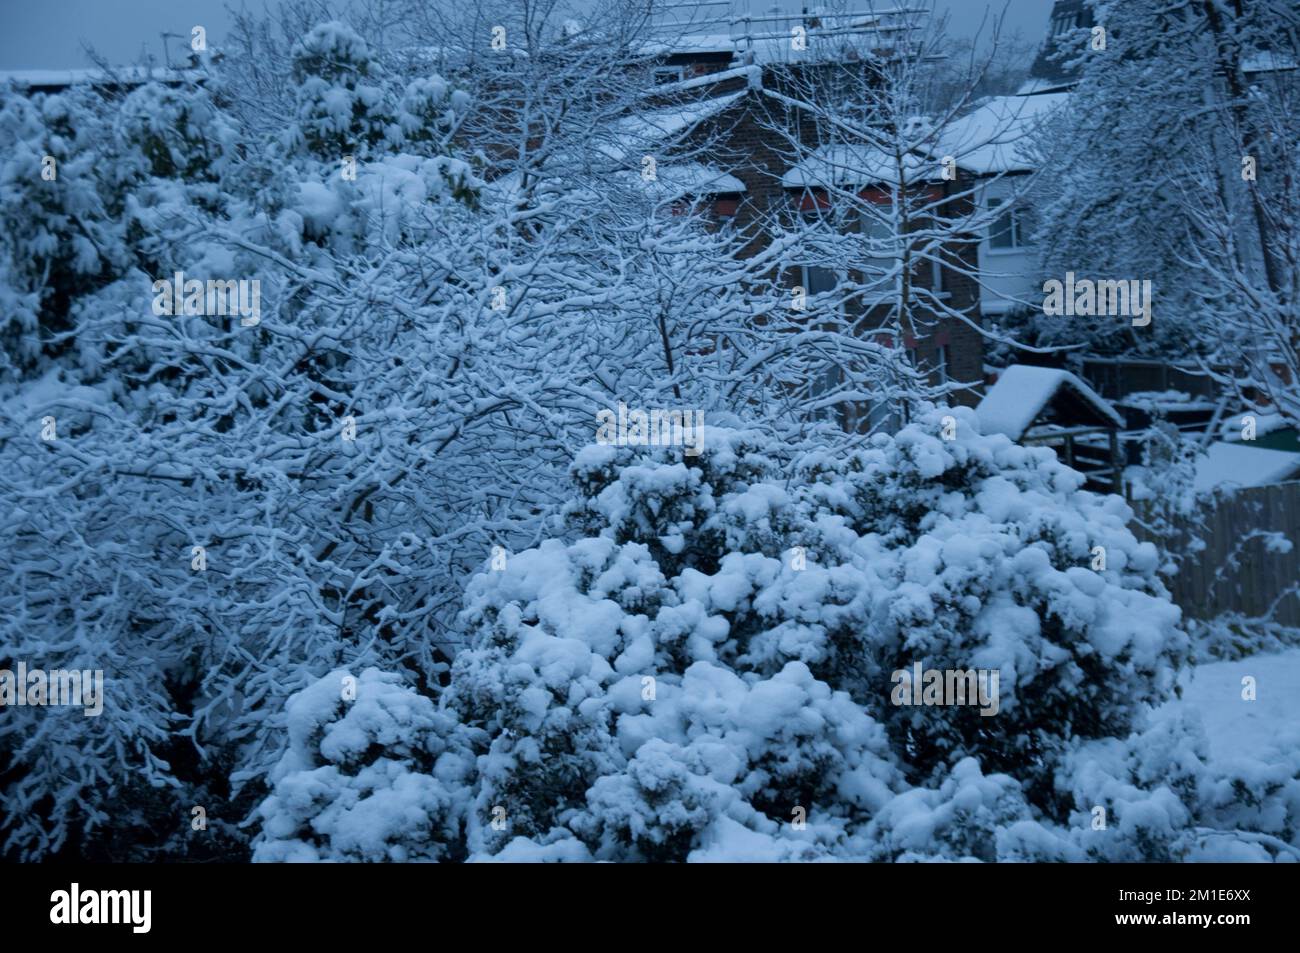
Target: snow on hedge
702,669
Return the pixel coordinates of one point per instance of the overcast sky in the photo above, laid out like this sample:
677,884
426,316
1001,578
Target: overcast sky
51,34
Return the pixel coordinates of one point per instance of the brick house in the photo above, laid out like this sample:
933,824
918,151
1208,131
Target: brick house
748,134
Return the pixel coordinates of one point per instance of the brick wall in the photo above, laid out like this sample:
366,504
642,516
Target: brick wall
740,140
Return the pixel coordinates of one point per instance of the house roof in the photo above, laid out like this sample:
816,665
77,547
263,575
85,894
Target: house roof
62,78
855,165
1266,61
1023,392
695,178
635,133
1034,87
992,139
1240,464
676,179
995,137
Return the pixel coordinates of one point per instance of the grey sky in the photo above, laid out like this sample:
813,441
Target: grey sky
50,34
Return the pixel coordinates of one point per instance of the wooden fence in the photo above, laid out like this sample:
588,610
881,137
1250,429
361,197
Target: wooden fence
1242,568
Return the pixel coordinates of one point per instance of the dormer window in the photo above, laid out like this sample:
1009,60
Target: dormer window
1064,22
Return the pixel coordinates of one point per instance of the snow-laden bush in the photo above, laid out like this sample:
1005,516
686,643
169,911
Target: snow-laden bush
656,805
970,553
702,672
707,668
969,816
60,228
584,653
175,133
342,109
987,555
373,773
1155,796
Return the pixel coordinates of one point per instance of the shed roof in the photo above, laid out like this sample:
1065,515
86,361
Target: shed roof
1240,464
1023,392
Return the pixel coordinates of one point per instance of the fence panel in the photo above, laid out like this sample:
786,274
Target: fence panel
1242,568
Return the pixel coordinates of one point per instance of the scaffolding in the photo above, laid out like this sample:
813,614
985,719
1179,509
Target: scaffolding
886,27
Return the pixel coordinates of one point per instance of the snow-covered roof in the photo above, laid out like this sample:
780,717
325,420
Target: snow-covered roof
81,77
1267,62
1022,392
691,43
753,76
821,47
855,165
695,178
636,132
766,38
1240,464
675,179
1038,85
994,138
1232,425
1164,400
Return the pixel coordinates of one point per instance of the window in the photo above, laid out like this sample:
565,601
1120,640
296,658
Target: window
817,280
883,418
941,363
936,273
881,245
831,377
668,74
1009,228
1064,23
883,248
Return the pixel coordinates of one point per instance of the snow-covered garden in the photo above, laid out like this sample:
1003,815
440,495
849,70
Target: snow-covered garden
366,580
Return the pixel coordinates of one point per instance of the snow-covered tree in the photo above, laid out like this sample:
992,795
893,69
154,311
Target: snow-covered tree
1174,161
883,218
285,492
189,565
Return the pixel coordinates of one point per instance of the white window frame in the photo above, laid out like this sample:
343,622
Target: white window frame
936,276
1015,216
866,219
834,376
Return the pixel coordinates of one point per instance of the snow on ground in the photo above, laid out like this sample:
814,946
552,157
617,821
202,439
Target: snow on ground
1237,728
